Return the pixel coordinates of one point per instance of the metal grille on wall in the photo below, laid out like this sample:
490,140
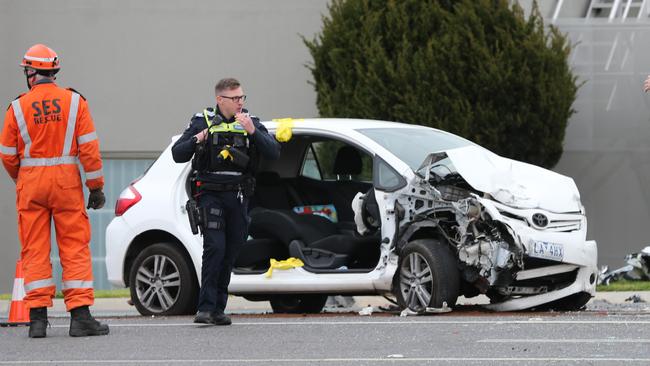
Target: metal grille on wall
118,173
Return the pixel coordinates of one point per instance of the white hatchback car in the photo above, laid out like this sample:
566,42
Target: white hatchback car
369,207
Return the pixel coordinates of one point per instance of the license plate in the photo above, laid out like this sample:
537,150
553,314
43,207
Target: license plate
546,250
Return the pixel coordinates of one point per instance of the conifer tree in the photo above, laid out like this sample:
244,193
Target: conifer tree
477,68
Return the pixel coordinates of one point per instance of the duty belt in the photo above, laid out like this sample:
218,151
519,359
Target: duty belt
246,186
225,172
219,187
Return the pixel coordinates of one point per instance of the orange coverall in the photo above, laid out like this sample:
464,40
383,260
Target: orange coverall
46,132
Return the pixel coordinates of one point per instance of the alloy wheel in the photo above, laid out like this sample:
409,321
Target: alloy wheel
416,282
158,283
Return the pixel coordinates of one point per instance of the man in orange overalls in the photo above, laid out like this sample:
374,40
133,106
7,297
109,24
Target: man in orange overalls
46,132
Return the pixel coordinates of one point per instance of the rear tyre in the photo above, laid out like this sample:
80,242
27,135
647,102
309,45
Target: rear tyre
298,304
162,282
426,276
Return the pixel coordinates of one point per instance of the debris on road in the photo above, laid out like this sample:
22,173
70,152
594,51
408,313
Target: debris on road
366,311
635,299
443,309
429,310
407,312
637,269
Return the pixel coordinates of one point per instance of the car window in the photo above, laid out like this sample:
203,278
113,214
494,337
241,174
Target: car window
412,145
310,165
387,179
320,161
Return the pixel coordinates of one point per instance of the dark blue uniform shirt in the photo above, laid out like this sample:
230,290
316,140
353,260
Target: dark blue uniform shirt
184,148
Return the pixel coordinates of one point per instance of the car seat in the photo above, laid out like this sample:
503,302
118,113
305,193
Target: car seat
312,238
347,164
271,192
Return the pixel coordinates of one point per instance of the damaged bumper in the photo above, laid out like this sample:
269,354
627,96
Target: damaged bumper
585,281
557,261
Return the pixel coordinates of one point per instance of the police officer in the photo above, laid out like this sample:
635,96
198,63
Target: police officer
225,145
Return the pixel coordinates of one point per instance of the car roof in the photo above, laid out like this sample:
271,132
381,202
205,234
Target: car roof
344,126
337,124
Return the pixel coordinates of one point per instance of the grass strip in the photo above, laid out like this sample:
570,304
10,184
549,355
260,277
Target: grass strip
625,285
99,294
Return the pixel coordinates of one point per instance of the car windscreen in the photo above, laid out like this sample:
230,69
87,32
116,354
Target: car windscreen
412,145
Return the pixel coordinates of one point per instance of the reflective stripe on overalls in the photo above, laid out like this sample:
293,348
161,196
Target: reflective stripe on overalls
64,158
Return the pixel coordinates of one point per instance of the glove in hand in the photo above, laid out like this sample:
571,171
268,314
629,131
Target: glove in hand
96,199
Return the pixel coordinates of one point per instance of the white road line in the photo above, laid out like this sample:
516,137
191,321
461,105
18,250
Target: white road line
336,360
391,323
602,340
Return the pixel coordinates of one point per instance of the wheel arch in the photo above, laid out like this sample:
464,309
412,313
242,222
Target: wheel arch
420,230
148,238
427,233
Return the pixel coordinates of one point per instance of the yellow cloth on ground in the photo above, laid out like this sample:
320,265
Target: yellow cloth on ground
285,264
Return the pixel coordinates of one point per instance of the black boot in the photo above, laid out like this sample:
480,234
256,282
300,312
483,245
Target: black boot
82,324
219,318
203,317
37,322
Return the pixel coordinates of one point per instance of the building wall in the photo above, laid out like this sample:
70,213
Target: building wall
567,9
146,66
607,142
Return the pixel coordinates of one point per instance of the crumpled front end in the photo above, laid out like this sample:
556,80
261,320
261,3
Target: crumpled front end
519,256
557,261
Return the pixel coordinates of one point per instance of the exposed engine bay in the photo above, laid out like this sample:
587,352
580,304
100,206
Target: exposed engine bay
487,252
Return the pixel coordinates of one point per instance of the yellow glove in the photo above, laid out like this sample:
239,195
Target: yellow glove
283,132
285,264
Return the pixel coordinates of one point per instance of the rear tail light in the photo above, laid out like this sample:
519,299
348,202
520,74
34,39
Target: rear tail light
129,197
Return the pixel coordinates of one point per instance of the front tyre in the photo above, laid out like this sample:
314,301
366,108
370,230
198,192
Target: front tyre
162,282
427,276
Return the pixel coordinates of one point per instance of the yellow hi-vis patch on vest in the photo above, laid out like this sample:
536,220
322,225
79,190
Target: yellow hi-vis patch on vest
233,127
285,264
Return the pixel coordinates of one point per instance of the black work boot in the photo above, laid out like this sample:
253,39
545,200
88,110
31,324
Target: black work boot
37,322
219,318
203,317
82,324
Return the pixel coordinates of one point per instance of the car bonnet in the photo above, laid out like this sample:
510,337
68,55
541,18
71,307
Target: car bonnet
514,183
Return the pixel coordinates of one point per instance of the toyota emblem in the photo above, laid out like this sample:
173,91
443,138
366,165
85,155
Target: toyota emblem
540,220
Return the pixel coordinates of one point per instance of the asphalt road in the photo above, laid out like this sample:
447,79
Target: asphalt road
466,337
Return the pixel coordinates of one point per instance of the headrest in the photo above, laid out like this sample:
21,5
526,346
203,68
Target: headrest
348,161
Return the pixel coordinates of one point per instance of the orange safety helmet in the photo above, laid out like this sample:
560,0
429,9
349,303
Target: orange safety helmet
40,57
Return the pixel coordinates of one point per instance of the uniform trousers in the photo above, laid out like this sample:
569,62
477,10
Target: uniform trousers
224,233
